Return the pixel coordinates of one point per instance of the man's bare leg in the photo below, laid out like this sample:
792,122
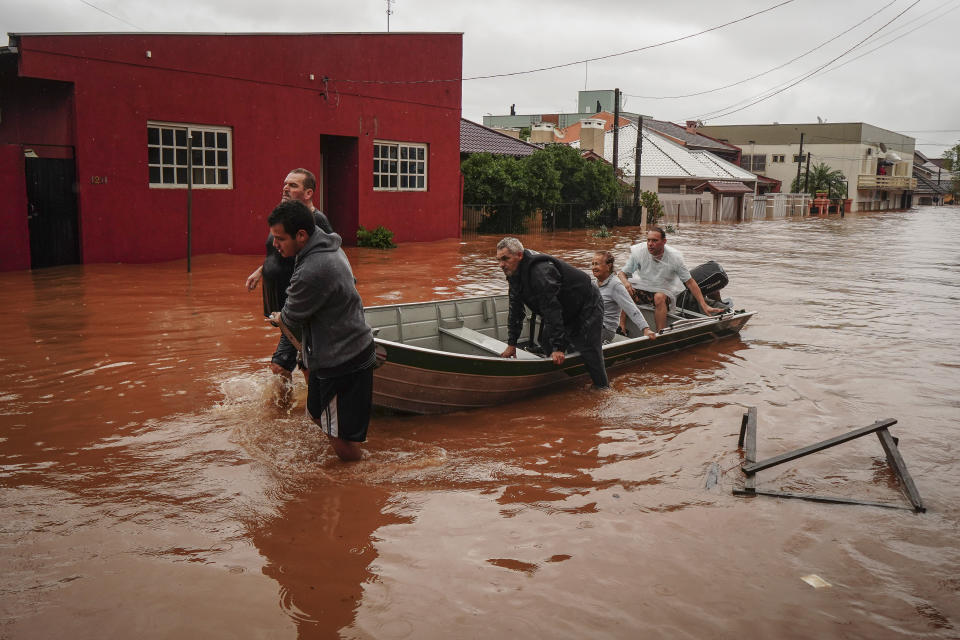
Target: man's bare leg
660,301
346,450
286,392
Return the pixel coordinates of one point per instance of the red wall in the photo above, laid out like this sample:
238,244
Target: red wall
259,85
13,206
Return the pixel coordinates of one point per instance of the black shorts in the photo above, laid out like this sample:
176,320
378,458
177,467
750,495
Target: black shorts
646,297
341,405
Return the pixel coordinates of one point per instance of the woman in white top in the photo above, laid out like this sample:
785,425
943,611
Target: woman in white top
615,298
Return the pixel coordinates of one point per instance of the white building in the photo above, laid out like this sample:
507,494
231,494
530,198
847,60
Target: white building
877,163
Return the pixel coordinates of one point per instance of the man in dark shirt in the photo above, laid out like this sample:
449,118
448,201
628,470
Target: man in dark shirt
276,270
563,296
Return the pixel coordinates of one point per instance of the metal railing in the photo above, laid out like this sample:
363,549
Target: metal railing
886,182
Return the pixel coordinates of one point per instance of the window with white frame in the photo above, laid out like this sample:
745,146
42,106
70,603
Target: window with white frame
173,149
754,162
798,158
399,166
778,158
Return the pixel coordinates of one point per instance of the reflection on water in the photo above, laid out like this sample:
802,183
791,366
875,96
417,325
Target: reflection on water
156,483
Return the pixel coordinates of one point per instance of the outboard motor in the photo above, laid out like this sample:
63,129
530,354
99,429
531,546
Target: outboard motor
711,278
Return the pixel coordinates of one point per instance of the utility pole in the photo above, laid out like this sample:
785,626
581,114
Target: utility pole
636,166
799,160
389,12
189,198
806,177
616,130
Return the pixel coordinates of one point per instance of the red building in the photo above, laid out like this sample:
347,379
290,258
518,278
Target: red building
100,135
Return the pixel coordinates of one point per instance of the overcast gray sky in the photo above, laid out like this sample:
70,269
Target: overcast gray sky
903,78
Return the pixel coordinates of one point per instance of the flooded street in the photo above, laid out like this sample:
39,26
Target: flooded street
151,486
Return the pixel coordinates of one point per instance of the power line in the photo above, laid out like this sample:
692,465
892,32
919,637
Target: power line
93,6
717,114
772,69
902,35
821,72
577,62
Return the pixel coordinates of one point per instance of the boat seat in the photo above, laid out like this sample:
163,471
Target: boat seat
484,342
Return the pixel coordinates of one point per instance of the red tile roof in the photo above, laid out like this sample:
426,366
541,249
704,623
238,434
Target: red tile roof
572,133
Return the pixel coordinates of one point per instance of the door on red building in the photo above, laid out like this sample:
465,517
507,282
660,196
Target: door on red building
52,212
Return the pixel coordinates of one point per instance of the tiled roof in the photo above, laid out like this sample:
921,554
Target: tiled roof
663,158
571,133
720,167
677,132
476,138
724,187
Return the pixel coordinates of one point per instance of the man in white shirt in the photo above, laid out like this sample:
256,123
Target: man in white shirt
661,276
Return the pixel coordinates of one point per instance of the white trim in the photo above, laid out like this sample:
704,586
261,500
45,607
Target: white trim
401,164
216,155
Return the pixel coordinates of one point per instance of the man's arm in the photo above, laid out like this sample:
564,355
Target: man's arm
304,299
254,278
695,290
626,283
515,316
627,271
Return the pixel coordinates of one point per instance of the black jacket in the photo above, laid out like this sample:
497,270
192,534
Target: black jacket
563,295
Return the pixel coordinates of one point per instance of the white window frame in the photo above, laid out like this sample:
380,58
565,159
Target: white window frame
400,166
168,153
758,160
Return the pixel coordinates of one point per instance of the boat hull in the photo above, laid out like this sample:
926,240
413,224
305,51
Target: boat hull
422,380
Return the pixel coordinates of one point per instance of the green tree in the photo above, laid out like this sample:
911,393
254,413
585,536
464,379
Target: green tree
952,157
514,188
951,162
651,202
822,178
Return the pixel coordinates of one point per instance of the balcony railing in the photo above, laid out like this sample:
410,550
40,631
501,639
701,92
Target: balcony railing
888,183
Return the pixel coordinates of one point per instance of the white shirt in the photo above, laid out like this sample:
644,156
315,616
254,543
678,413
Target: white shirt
666,274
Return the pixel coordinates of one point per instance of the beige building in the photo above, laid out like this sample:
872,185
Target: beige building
877,163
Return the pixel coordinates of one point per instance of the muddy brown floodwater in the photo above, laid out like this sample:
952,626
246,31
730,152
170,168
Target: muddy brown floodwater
150,486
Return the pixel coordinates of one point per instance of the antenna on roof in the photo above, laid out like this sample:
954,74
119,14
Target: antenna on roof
389,13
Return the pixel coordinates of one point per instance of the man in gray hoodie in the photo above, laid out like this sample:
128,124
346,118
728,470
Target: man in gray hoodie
337,344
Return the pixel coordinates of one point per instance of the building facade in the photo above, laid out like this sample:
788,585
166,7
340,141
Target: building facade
102,134
877,163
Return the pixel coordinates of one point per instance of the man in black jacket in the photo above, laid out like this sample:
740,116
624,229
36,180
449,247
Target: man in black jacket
563,296
277,270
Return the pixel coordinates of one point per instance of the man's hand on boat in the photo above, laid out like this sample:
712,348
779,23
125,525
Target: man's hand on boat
707,310
511,352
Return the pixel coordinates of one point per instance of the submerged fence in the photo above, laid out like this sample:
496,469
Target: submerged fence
677,209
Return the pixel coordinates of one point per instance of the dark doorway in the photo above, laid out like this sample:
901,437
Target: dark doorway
52,212
341,185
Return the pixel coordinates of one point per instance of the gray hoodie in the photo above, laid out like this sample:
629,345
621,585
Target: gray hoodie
323,302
